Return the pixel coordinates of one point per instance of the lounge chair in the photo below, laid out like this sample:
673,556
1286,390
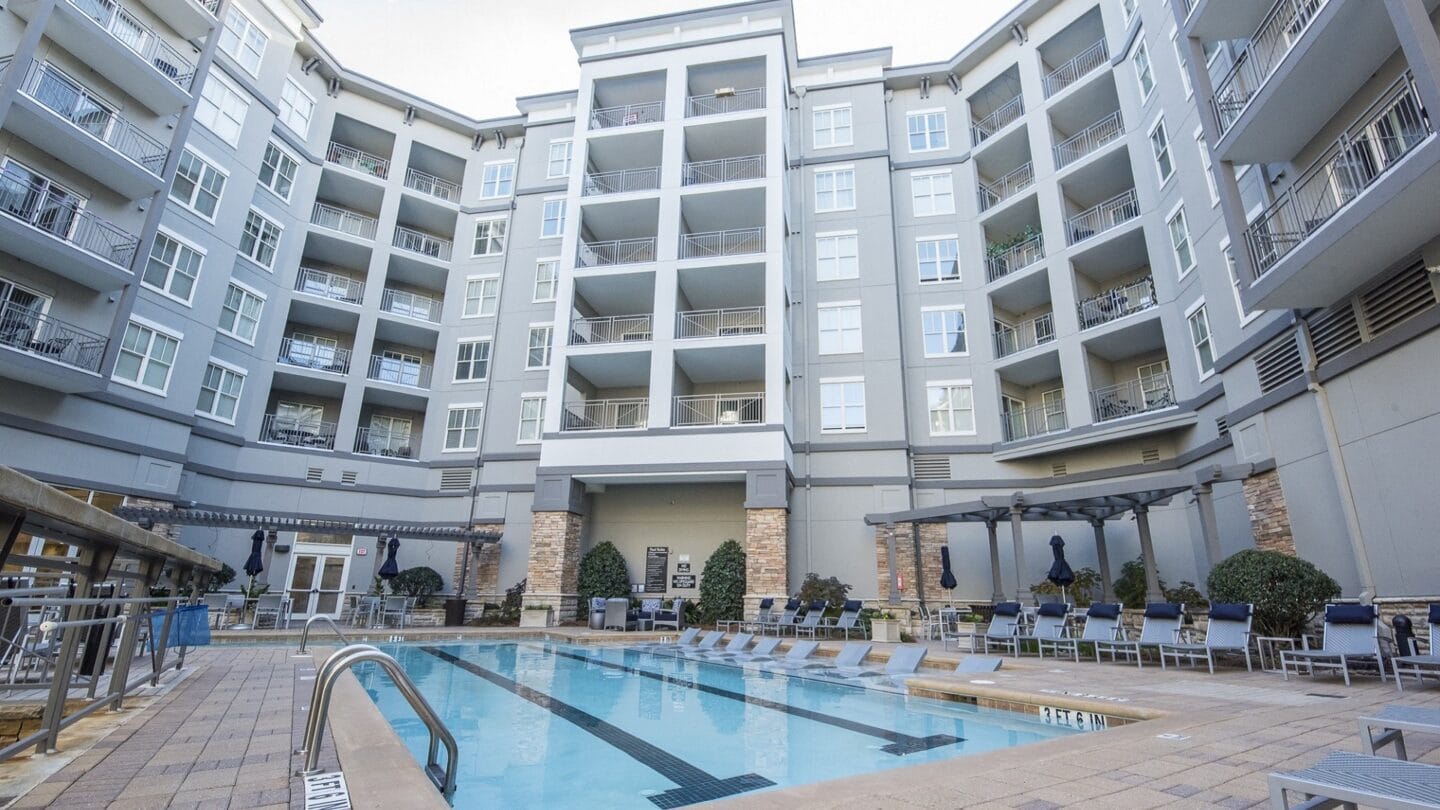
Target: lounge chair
1421,665
686,639
848,659
1229,632
814,615
709,642
797,656
1343,778
672,618
1003,627
848,620
1352,632
785,619
617,614
1161,626
273,605
737,645
904,660
762,615
764,650
978,663
1052,621
218,604
1102,623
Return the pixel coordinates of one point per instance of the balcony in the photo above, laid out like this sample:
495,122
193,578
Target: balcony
616,251
725,101
1089,140
357,160
1001,117
1272,41
370,441
1117,302
1024,335
1027,423
620,182
191,19
724,170
425,244
432,186
333,286
722,243
1003,259
606,414
410,305
610,329
117,45
399,371
314,355
1112,213
42,336
627,115
709,323
351,223
293,432
718,410
1216,20
46,227
1090,59
1150,393
1006,186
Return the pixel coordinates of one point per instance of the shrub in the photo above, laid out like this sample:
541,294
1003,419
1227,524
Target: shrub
1084,590
603,573
1188,595
419,582
722,583
831,589
1130,585
220,579
1285,590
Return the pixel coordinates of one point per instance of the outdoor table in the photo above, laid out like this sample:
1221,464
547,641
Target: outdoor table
1394,721
1262,642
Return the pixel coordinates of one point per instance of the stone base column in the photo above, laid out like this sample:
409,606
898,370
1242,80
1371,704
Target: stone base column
1269,513
904,561
767,555
553,572
484,569
933,537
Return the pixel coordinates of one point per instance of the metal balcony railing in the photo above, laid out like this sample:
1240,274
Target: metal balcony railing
1016,257
1024,335
1113,212
1149,393
423,243
621,181
610,329
607,414
433,186
1284,26
722,243
1076,68
1088,140
128,30
724,170
410,305
275,429
706,323
627,115
1117,302
725,102
1383,135
49,337
329,285
1025,423
1006,186
358,160
1186,6
706,410
71,100
317,356
343,220
58,214
618,251
994,122
212,6
371,441
398,371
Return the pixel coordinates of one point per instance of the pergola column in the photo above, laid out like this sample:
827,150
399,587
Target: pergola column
1209,525
1147,553
1102,555
1017,536
998,594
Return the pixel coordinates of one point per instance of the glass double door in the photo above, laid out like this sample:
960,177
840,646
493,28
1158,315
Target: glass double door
317,582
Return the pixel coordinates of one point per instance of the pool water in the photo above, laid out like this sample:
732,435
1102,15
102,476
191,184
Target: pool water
545,725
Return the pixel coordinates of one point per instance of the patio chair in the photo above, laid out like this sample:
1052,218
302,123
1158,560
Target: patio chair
736,645
617,614
673,618
686,639
1347,779
1161,626
904,660
1421,665
1052,621
814,615
1102,623
764,650
978,663
645,618
1229,632
1003,626
271,604
848,620
785,619
1352,632
219,605
762,614
395,607
797,656
366,609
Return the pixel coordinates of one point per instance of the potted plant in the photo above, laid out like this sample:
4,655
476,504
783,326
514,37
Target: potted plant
536,616
885,628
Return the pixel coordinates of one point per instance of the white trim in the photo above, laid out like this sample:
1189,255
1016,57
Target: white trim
520,421
835,170
828,234
230,366
827,108
832,304
284,150
1158,124
158,327
1207,165
209,161
489,359
1182,272
937,237
944,128
1209,335
945,308
974,410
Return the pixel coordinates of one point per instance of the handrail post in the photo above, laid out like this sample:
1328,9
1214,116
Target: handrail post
305,633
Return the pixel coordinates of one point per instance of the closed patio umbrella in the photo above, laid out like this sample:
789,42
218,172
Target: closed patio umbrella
255,563
390,569
947,577
1060,573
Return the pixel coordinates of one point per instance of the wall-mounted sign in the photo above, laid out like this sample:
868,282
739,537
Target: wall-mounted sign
361,551
657,562
682,567
679,581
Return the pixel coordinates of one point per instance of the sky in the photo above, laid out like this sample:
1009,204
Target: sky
476,56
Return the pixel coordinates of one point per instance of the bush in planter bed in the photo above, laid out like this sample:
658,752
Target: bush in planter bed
722,583
420,582
1285,590
603,573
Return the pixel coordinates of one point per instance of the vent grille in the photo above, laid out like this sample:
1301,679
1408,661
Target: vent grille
1149,455
1222,426
1334,332
931,468
1057,469
456,479
348,477
315,475
1279,363
1403,296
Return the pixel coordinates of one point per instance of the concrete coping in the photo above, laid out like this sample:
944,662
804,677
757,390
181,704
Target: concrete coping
984,695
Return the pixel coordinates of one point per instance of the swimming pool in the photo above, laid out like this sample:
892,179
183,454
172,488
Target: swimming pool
545,725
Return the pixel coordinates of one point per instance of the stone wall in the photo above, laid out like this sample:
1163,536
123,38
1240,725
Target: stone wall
1269,514
553,572
484,569
933,537
767,553
168,531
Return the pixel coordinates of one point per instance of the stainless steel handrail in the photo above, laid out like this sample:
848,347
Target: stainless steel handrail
305,633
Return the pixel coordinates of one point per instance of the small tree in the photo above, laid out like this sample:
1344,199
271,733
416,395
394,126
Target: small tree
603,574
220,579
1130,585
419,582
831,589
1285,590
722,583
1084,590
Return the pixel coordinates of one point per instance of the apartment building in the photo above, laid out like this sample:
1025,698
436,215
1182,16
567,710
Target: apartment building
720,291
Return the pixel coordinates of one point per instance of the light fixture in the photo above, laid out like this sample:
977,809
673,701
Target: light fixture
1018,32
954,83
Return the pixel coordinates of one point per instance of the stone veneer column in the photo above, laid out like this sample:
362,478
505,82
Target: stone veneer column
933,537
1269,514
904,560
553,573
484,566
767,555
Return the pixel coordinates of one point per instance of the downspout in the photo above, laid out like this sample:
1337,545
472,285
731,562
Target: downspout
798,130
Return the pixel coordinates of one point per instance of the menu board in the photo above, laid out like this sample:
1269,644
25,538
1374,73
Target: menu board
657,563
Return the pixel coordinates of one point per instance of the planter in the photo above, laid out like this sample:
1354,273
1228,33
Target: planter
537,618
887,630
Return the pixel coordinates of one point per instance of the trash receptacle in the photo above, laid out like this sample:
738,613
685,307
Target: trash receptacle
597,613
454,612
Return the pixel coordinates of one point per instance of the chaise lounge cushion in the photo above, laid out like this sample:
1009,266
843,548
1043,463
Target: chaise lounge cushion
1349,614
1229,612
853,606
1434,614
1164,610
1104,610
1007,609
1054,609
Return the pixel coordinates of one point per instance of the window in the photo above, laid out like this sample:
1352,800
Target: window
1180,60
481,295
1200,337
842,405
927,130
146,356
198,184
277,171
1180,240
221,108
532,417
472,360
220,391
558,164
173,267
835,189
839,327
944,331
933,194
1129,7
243,40
489,237
296,105
547,279
240,313
499,180
1160,146
1246,316
832,126
260,239
552,219
1142,68
539,352
938,259
462,428
952,408
837,256
1208,166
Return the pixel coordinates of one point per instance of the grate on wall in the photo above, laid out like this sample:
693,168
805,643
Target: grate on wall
1279,363
1149,455
1401,297
458,478
931,467
1057,469
315,475
349,477
1222,426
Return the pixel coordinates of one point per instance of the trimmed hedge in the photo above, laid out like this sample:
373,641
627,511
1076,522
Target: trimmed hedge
603,573
722,583
1285,590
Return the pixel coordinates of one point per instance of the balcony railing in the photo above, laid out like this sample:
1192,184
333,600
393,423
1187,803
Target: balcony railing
357,160
1149,393
410,305
1277,34
212,6
275,429
621,181
397,371
1394,125
423,243
1006,186
67,98
707,323
722,243
1025,423
618,251
343,220
1089,139
317,356
994,122
627,115
1015,257
129,31
610,329
433,186
329,285
725,102
371,441
1117,302
607,414
1024,335
58,214
45,336
1113,212
706,410
1076,68
724,170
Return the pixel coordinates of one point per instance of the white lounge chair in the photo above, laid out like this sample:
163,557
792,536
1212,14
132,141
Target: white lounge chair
784,620
1421,665
1228,632
762,615
814,615
686,639
737,645
1161,625
1102,623
904,660
1352,633
1343,778
797,657
1052,621
764,650
1004,624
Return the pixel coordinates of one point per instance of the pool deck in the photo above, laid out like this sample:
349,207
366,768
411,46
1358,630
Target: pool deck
223,736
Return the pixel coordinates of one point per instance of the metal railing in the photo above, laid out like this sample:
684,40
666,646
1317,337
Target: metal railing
607,414
212,6
343,220
1006,186
1088,140
1383,135
1024,335
343,659
610,329
997,120
1115,211
329,285
1076,68
319,617
1024,423
44,336
723,170
372,442
706,323
627,115
1149,393
128,30
72,101
1016,257
288,430
433,186
59,215
1117,302
727,102
722,243
423,243
1282,27
620,181
317,356
618,251
396,371
703,410
357,159
410,305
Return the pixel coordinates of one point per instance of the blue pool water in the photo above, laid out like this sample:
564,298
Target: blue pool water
543,725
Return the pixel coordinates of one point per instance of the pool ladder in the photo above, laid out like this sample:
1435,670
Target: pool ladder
305,633
347,657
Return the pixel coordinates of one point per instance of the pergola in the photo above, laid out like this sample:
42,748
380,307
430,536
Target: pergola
181,516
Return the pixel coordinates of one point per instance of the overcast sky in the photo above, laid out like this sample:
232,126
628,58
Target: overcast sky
476,56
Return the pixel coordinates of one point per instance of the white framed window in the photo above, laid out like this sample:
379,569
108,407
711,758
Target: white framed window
277,171
552,219
1200,338
198,184
835,189
538,353
147,353
557,164
944,331
532,418
1160,148
1181,61
482,293
839,324
1143,72
926,129
837,255
221,108
831,126
498,180
490,237
1208,166
842,405
240,312
472,359
951,405
1236,285
938,259
173,266
243,40
1129,6
260,239
547,280
1180,241
933,193
1155,389
462,427
220,391
296,107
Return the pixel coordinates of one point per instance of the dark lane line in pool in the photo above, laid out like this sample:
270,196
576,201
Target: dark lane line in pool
695,785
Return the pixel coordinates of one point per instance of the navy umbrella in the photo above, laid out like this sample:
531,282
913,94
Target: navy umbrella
255,564
947,577
390,569
1060,572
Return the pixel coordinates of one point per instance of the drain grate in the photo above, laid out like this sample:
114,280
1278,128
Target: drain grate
326,791
1322,694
